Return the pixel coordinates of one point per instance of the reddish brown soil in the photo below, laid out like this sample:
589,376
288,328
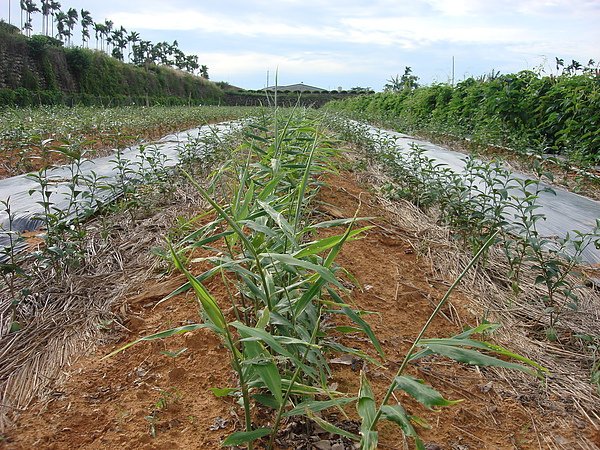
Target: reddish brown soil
145,399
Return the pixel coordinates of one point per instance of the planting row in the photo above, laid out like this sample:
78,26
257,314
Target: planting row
264,244
35,137
484,198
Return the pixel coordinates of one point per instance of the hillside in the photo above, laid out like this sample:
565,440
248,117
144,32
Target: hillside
39,70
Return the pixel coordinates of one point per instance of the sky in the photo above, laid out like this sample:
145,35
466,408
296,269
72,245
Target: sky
350,43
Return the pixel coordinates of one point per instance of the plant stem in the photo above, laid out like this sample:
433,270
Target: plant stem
246,398
292,381
433,315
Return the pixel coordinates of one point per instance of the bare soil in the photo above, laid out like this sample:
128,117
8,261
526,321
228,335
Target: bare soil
144,398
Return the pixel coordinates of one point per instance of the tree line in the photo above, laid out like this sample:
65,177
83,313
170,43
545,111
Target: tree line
116,42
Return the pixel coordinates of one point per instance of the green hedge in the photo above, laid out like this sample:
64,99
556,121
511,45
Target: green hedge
23,97
523,111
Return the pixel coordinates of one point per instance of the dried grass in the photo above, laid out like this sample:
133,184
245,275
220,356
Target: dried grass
66,320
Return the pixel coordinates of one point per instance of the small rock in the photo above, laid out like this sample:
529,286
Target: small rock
338,446
322,445
485,388
432,446
219,424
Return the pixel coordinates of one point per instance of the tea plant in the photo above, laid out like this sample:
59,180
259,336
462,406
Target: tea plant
29,133
11,268
153,168
484,197
532,113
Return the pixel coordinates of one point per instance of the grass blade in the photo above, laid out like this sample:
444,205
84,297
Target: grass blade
367,409
160,335
316,406
423,393
243,437
397,414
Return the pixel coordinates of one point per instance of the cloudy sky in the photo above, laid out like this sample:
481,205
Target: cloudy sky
358,43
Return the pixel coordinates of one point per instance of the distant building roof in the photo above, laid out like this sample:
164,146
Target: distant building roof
295,87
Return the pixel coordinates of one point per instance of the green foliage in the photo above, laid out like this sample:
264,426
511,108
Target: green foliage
282,280
39,43
524,111
88,77
29,80
485,197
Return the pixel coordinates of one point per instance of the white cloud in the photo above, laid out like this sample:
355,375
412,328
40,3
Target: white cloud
404,31
191,19
412,32
455,7
351,42
226,63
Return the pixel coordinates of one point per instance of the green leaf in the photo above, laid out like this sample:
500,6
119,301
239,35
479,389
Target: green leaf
269,188
242,437
369,440
281,222
222,392
366,406
397,414
421,392
303,389
366,328
336,223
331,428
256,226
355,317
326,243
484,346
267,400
273,343
316,406
264,319
266,368
475,358
324,272
263,336
209,304
160,335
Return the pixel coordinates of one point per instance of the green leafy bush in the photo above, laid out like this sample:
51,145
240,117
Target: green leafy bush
524,111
